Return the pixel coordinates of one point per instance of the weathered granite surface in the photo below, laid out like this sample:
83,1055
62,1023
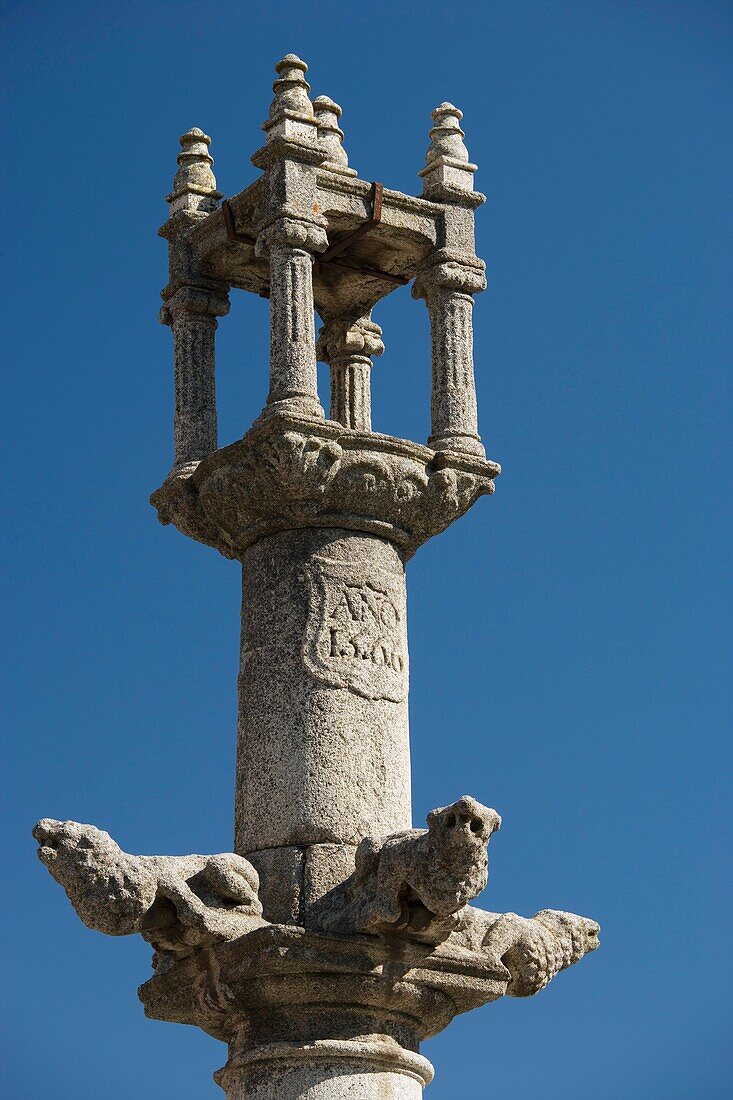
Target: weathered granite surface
323,750
345,937
532,950
340,997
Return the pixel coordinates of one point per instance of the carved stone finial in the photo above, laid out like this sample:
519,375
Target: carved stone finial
291,111
446,136
194,188
447,167
331,136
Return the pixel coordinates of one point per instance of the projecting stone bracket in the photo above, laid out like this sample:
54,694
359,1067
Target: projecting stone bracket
529,951
289,472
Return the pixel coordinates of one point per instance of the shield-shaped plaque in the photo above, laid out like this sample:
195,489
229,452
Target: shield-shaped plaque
356,634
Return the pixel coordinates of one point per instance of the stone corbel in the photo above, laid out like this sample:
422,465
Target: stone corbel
531,951
416,886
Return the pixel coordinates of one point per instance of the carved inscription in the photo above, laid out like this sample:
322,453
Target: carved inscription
355,637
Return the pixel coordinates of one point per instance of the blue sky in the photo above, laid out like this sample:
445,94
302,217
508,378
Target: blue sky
568,638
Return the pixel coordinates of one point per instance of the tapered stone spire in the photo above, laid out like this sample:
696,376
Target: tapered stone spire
447,166
194,188
331,136
291,111
335,938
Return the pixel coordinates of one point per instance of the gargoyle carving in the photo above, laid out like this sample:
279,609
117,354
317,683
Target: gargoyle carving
179,904
417,882
531,950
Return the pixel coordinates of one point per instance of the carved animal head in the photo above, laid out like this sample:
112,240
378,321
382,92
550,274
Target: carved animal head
456,839
465,824
576,935
103,884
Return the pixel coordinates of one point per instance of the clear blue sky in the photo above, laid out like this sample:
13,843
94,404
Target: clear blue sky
568,637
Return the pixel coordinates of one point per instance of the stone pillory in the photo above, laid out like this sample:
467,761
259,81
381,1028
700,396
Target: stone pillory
335,938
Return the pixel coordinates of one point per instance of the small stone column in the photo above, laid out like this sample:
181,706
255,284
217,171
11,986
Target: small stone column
192,302
447,281
293,371
347,346
447,287
290,234
191,313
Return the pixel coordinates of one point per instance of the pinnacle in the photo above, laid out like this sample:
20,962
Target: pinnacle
196,133
291,61
447,109
325,103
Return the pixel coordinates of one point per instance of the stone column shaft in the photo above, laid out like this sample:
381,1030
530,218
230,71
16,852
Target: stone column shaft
293,372
447,285
191,314
323,741
453,410
351,393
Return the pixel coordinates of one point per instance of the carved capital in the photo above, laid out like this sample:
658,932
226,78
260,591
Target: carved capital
291,232
450,270
193,300
278,975
289,472
344,338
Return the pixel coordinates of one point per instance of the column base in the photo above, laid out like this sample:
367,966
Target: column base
295,405
326,1069
462,443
